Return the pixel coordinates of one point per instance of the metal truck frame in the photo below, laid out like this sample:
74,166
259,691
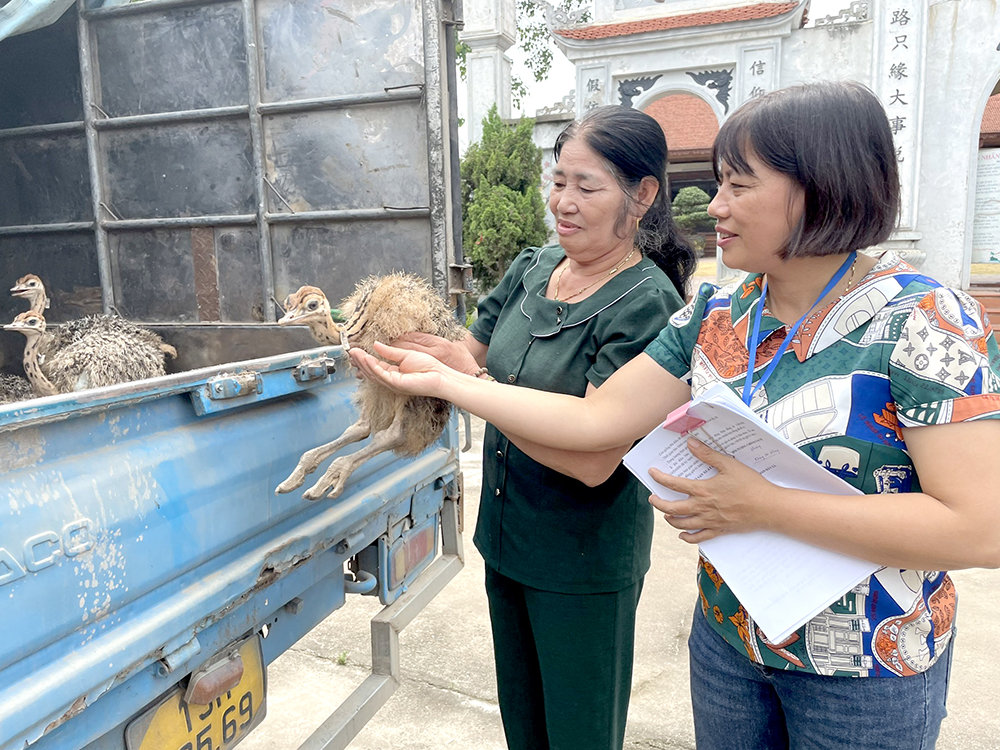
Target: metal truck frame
188,163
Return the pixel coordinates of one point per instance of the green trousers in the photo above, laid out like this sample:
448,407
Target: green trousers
563,663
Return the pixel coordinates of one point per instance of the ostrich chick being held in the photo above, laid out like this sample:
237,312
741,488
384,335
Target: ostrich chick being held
381,308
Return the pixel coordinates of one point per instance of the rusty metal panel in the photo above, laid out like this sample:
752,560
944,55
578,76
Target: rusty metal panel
154,275
44,179
187,275
315,48
41,78
178,59
363,157
211,345
335,256
238,258
183,170
206,273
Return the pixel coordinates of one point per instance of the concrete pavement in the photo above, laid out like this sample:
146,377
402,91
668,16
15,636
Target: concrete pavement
447,696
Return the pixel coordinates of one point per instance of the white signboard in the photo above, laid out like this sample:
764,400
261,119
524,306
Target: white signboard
986,218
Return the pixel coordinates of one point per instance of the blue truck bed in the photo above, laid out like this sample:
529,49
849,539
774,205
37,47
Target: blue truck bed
140,535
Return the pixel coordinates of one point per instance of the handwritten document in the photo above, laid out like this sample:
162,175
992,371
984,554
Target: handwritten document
782,582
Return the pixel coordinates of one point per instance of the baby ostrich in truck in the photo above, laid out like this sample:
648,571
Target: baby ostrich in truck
381,308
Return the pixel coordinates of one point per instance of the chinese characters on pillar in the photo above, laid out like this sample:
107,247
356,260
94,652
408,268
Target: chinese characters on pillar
757,72
898,85
593,87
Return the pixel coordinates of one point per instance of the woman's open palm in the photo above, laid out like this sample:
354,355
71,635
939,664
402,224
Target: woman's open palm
412,372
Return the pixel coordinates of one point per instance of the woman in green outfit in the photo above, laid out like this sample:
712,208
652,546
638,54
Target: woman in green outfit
566,536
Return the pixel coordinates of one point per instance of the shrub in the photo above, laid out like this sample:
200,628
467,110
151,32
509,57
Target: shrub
691,211
503,210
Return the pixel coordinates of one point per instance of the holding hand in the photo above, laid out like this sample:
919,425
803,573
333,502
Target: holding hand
410,372
453,354
735,500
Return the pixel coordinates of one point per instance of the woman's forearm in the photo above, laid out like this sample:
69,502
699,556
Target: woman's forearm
591,468
954,522
912,530
629,404
552,419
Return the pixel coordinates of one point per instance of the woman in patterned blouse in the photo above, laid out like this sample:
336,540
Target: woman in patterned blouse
876,371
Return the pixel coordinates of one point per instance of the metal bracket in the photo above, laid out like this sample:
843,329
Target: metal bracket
314,369
226,386
459,278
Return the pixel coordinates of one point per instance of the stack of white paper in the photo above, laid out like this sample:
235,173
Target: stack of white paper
781,581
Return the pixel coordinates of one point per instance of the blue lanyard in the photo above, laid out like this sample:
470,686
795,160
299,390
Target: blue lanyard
748,391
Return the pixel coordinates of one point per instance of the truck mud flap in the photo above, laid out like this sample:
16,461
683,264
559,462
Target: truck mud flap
343,725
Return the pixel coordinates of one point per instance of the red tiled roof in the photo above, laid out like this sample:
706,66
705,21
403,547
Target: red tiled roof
687,121
991,117
706,18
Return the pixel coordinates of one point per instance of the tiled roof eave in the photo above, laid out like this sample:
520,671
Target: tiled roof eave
690,23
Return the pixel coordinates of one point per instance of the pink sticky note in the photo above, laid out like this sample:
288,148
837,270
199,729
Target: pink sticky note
681,422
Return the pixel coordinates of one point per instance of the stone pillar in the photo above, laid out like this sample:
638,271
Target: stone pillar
898,80
490,29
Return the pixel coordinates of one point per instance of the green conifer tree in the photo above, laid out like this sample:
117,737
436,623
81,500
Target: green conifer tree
503,210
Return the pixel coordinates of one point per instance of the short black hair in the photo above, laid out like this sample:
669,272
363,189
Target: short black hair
833,140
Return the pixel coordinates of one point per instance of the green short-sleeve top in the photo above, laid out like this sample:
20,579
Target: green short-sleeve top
536,525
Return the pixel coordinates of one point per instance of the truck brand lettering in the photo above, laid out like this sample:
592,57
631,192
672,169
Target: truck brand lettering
43,550
77,537
10,570
31,562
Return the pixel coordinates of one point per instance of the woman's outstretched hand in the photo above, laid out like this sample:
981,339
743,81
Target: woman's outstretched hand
453,354
734,500
412,372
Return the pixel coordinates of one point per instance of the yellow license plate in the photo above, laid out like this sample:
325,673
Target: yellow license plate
172,724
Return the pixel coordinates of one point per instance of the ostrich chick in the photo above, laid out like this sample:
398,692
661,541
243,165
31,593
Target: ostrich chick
103,357
30,287
55,338
14,388
381,308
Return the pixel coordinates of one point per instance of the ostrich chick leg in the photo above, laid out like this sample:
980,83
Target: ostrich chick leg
311,459
341,469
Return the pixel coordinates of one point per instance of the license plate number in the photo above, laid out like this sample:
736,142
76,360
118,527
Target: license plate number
172,724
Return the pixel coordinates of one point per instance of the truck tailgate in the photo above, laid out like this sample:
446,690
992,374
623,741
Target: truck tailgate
140,532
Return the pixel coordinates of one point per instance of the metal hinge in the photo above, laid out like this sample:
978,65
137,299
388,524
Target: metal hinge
231,386
314,369
459,278
453,14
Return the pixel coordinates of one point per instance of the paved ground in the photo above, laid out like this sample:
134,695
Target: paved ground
447,698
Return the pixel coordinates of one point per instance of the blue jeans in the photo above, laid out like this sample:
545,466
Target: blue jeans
739,705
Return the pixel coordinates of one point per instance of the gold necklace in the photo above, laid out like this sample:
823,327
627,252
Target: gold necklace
578,292
850,279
